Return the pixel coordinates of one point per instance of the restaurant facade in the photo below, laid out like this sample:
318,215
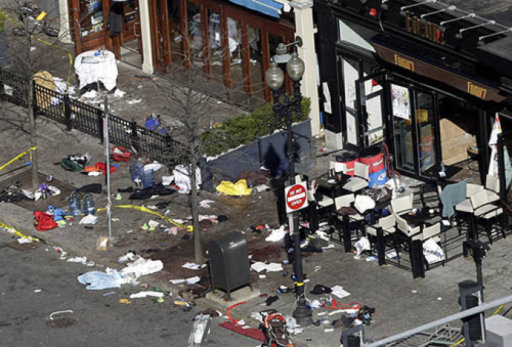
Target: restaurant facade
423,77
232,41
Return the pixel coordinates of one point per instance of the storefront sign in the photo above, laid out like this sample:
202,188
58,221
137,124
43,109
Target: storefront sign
424,29
404,63
455,80
479,92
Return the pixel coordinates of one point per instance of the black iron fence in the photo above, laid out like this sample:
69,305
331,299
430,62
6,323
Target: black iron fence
90,120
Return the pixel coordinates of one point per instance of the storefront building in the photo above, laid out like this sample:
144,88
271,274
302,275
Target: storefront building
232,41
424,77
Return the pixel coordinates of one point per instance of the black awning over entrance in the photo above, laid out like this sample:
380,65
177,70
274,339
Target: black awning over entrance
468,84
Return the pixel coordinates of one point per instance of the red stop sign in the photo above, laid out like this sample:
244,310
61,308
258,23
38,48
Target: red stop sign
296,197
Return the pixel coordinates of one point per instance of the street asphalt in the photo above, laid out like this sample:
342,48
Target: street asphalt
43,304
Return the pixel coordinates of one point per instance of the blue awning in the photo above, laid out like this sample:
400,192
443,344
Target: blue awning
268,7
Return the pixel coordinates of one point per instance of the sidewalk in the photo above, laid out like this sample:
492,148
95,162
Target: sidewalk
400,302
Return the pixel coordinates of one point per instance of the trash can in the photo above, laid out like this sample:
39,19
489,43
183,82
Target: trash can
347,160
229,262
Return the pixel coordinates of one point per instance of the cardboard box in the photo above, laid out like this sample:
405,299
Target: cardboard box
102,244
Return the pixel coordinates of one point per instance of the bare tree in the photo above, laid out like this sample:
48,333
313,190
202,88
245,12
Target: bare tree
191,89
33,46
191,106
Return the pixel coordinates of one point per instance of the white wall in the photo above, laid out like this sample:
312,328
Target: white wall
304,28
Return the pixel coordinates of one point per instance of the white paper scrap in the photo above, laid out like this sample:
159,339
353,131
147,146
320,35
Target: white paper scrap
271,267
177,281
339,291
193,280
145,294
191,266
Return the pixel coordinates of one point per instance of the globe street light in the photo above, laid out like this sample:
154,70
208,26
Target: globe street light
274,77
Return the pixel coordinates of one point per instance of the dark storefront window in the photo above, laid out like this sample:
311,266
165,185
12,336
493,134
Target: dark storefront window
233,45
195,35
256,61
215,38
402,127
426,130
91,17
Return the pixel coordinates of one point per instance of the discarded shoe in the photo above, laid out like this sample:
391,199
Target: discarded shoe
321,289
271,299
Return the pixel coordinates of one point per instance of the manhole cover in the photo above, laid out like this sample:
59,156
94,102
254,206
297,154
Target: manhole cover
60,322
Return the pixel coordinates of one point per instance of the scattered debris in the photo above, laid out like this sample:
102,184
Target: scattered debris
145,294
193,266
200,331
206,203
97,280
102,244
259,266
339,291
277,235
82,260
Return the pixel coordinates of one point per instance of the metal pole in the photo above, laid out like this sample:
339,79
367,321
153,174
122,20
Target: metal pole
302,312
501,168
107,155
445,320
479,278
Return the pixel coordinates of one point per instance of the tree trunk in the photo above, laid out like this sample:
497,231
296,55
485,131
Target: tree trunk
198,252
33,140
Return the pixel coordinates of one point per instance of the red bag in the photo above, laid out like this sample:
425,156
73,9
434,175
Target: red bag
44,221
121,154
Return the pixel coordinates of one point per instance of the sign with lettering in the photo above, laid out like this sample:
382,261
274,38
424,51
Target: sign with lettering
296,197
475,90
425,29
404,63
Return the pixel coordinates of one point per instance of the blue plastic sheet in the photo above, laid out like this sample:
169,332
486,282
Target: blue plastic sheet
97,280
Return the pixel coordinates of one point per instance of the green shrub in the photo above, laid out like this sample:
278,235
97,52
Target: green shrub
247,128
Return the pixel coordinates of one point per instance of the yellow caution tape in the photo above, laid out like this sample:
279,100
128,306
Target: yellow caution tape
16,232
458,342
298,284
498,310
41,16
188,228
18,157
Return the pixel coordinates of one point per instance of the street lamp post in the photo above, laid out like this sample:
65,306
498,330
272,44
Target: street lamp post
274,77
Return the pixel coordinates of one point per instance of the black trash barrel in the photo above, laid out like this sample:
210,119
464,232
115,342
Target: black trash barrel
229,262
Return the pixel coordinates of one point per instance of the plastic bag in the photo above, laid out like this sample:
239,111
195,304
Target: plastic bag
235,189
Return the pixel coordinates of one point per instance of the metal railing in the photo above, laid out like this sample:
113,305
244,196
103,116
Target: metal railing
443,326
89,119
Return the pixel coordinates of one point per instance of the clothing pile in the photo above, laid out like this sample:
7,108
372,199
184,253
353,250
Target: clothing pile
75,162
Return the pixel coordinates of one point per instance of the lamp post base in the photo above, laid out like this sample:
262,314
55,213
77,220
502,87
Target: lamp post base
302,314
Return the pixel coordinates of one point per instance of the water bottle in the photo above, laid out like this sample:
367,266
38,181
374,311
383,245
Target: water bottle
74,205
136,170
148,180
89,205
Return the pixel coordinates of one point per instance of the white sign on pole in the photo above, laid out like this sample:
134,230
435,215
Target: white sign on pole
296,197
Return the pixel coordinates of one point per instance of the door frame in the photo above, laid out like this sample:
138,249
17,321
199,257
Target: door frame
415,87
361,99
348,51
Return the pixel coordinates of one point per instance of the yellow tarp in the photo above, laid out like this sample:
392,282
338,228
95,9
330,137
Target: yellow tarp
236,189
